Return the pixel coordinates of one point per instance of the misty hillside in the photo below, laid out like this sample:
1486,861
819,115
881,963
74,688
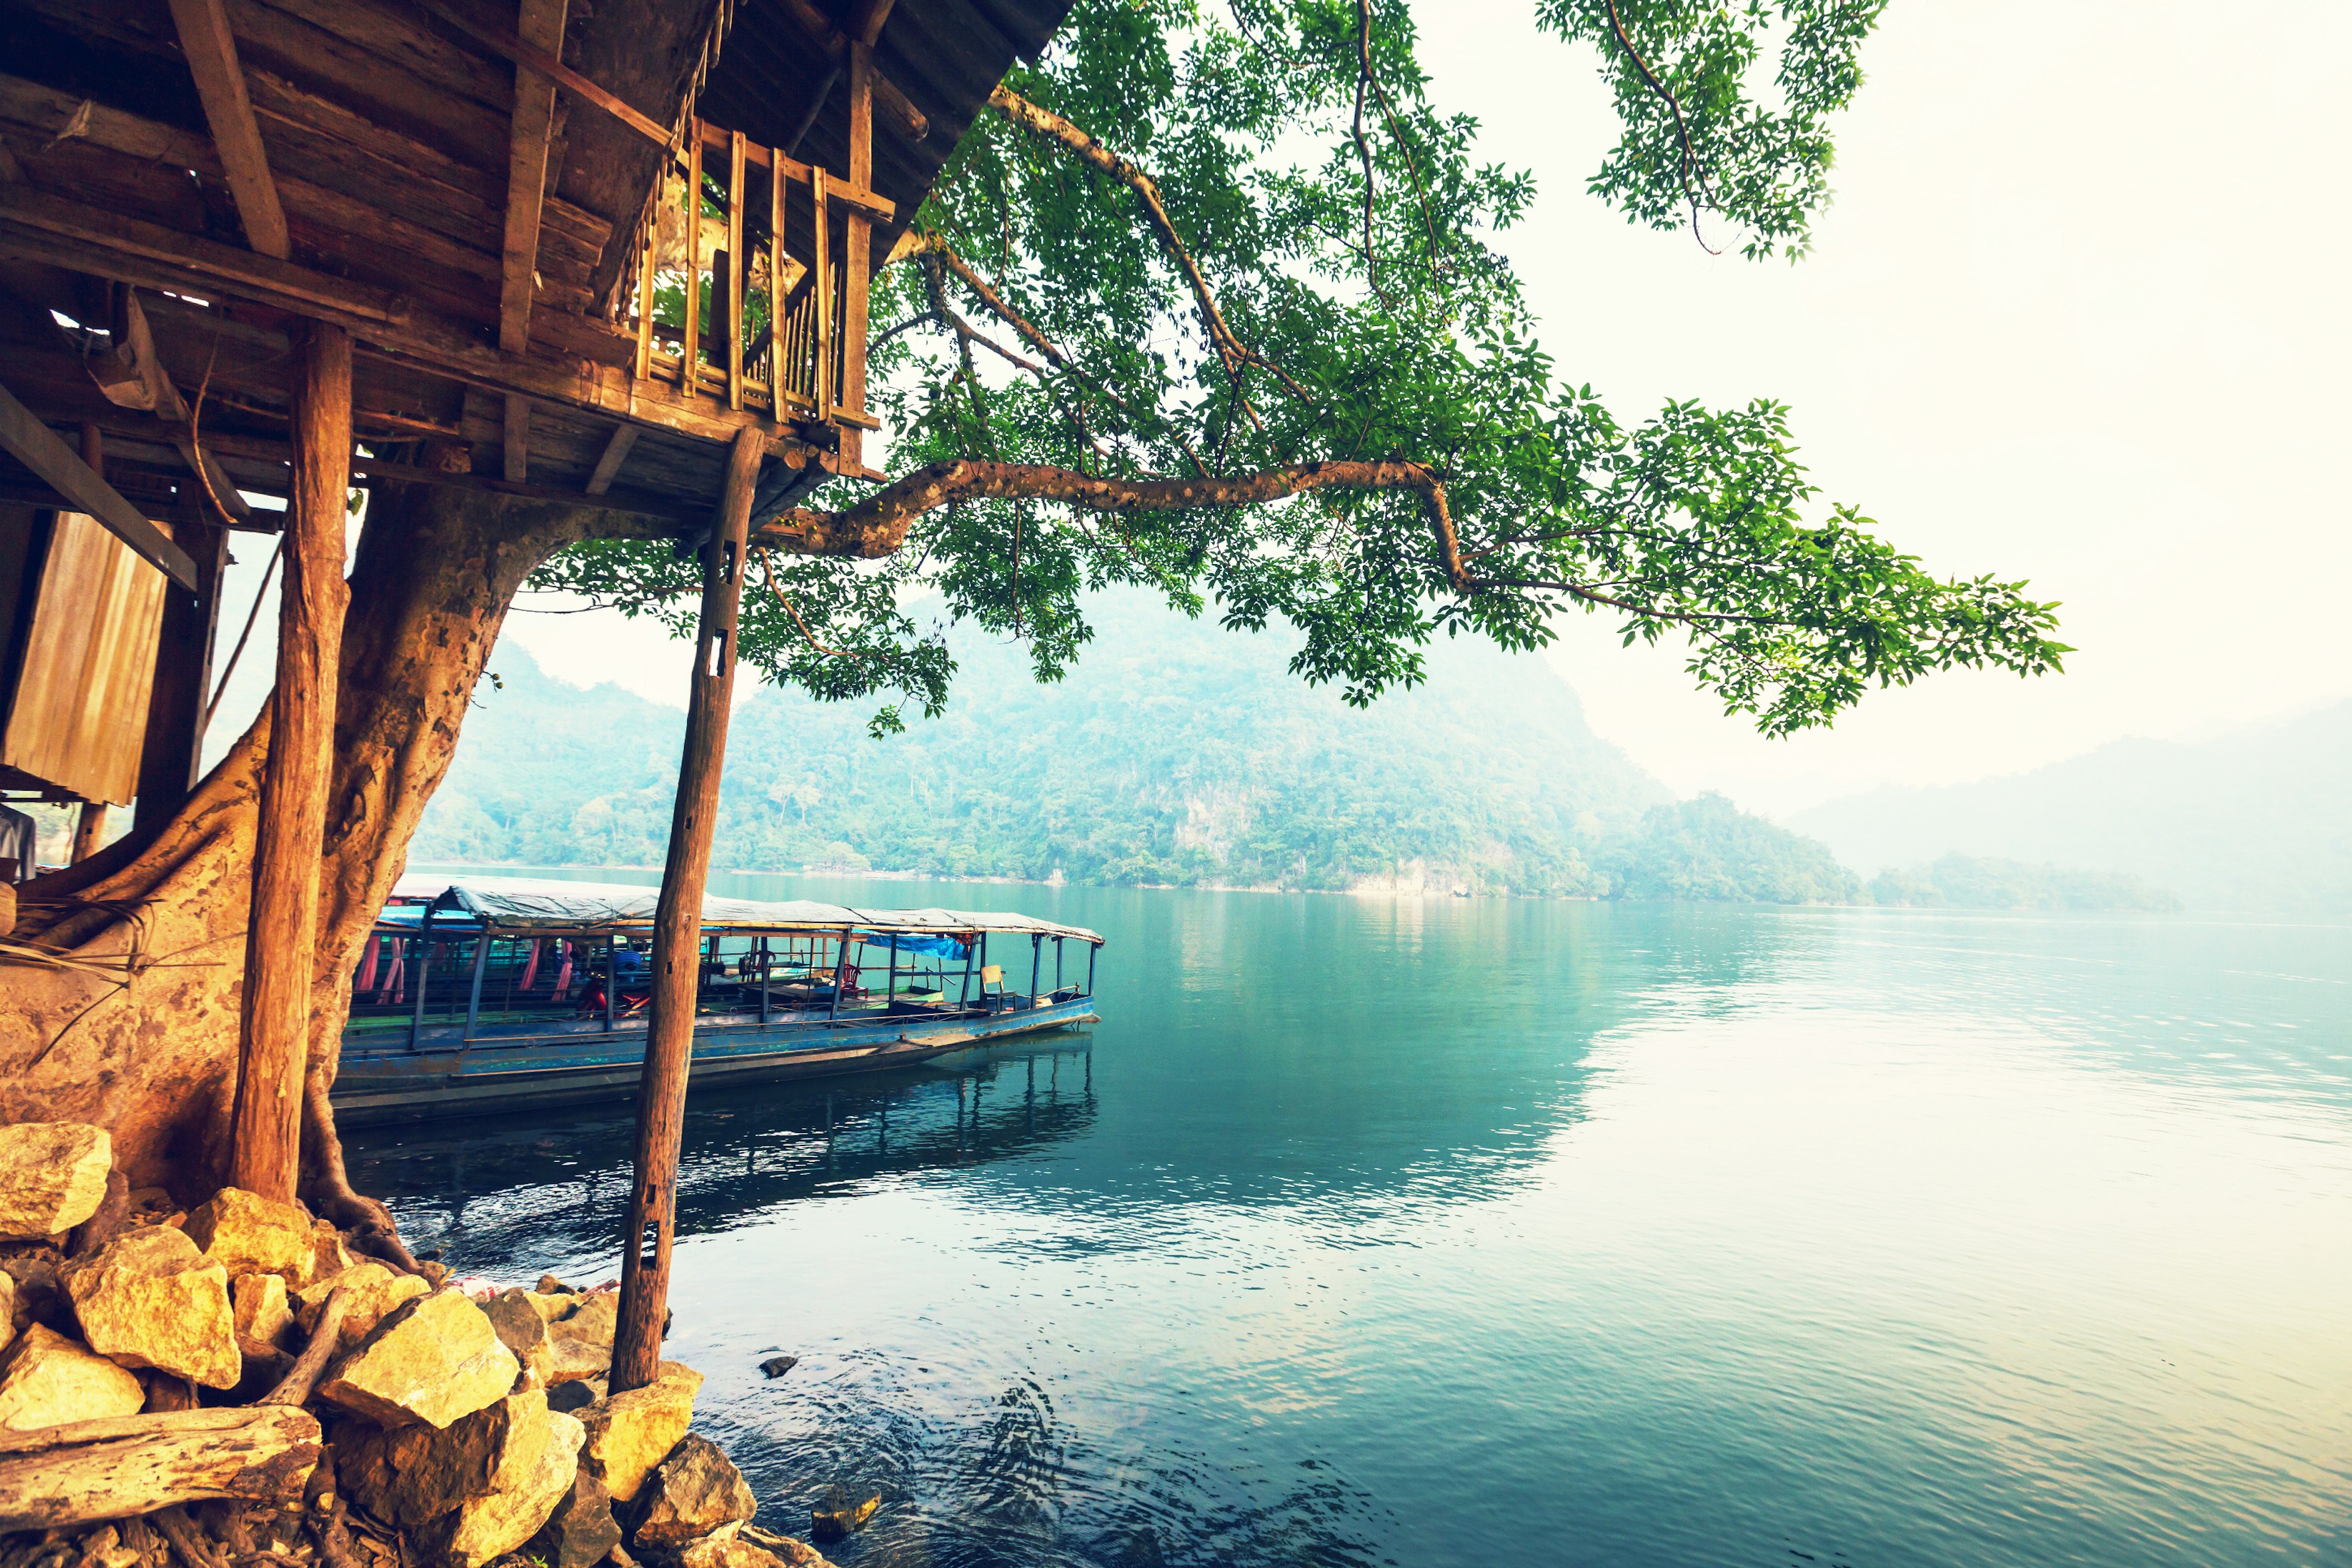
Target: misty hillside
1175,752
2255,821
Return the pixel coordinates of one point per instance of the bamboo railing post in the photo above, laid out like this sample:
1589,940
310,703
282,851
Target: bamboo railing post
735,157
279,947
646,302
678,929
691,344
858,252
776,283
821,298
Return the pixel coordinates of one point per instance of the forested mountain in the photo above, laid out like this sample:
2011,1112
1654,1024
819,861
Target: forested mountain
2251,821
1175,751
1980,882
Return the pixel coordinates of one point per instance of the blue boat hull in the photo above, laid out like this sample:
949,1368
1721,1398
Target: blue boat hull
581,1063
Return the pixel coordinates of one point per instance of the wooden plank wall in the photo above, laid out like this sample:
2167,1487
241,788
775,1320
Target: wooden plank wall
80,707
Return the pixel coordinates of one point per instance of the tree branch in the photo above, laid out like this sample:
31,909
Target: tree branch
1363,144
1690,153
1231,351
889,510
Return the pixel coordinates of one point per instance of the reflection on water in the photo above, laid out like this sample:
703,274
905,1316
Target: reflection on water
1470,1231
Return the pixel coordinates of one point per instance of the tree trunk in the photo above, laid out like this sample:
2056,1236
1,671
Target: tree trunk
134,1024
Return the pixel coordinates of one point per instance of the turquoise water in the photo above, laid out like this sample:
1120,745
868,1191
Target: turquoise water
1501,1233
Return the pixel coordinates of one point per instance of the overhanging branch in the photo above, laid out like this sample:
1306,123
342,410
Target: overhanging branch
888,511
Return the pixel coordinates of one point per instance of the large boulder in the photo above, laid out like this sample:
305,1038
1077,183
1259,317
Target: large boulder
695,1490
408,1476
523,1331
372,1290
52,1176
630,1432
576,1360
581,1532
430,1361
741,1546
258,1304
47,1380
595,1320
536,1468
150,1299
246,1233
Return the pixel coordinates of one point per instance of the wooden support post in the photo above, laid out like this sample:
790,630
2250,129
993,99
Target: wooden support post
279,947
857,255
89,831
776,285
169,755
515,430
820,286
735,193
541,27
211,51
678,925
690,341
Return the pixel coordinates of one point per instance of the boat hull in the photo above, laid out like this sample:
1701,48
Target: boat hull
375,1084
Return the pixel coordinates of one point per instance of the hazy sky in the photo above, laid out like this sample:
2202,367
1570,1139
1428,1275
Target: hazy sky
2078,315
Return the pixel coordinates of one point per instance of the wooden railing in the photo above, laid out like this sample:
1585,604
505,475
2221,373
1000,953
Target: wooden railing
805,360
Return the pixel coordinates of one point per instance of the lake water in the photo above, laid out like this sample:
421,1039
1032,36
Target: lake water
1499,1233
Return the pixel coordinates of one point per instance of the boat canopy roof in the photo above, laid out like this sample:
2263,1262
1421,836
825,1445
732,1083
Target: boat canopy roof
544,904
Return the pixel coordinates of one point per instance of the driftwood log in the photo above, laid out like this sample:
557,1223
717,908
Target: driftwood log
85,1471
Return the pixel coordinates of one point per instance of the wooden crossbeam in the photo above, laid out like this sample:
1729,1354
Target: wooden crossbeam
608,467
867,29
880,209
534,124
211,50
36,446
523,52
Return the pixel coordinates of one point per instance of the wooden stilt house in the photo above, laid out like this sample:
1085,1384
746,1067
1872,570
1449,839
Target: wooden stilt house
566,249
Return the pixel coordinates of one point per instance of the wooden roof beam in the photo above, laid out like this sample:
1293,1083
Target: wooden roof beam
534,124
38,446
896,106
211,50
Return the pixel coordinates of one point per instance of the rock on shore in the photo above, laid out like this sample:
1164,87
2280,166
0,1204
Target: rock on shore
457,1433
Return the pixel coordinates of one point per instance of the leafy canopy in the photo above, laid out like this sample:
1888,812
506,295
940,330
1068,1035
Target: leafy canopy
1199,244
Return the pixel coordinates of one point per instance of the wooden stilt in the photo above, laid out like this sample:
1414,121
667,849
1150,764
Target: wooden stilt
678,929
278,943
90,830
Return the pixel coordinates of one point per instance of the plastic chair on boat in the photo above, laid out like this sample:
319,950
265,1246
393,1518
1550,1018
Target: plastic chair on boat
992,975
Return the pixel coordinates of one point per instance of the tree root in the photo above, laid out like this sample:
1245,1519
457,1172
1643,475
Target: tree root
327,1187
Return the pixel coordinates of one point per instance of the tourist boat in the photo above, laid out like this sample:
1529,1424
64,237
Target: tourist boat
492,994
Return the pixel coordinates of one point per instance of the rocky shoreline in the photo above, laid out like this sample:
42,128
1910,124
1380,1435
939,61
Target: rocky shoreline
241,1385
